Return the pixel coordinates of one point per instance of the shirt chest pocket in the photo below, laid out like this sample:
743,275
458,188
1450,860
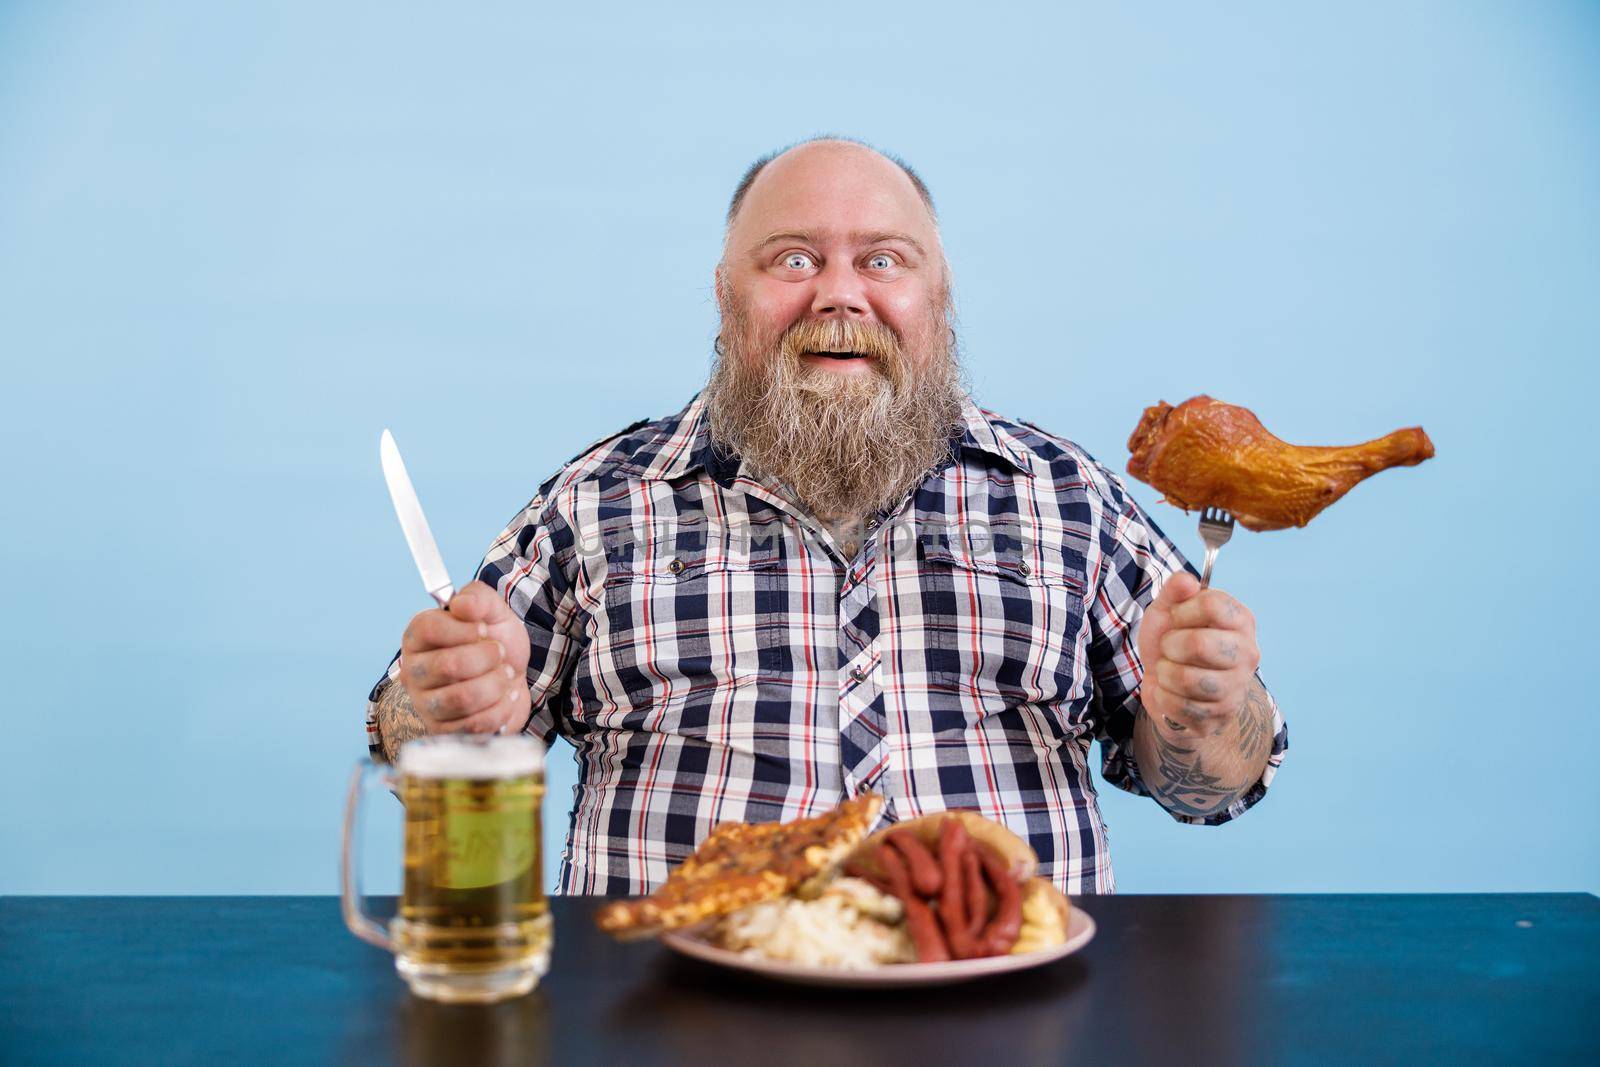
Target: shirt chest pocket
1005,628
686,620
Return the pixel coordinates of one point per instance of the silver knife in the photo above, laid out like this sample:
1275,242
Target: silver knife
423,549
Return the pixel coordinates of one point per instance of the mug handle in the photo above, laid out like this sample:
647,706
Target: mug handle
360,923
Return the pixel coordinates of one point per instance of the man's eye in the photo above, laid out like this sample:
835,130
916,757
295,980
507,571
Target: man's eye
797,261
881,262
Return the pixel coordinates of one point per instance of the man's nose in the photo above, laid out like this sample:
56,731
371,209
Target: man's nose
841,292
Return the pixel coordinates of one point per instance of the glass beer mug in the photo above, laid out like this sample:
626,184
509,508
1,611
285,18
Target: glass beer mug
473,924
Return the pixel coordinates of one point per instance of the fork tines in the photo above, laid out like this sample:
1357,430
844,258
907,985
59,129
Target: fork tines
1216,526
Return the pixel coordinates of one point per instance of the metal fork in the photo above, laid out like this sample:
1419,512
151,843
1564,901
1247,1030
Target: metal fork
1216,526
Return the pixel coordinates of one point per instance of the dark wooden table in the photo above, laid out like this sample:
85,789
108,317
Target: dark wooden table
238,981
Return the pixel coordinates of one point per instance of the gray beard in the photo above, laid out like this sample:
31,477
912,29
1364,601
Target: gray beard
846,445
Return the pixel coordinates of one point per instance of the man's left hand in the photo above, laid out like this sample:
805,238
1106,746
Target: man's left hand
1198,648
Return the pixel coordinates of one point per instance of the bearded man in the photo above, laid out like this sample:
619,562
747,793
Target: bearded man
833,573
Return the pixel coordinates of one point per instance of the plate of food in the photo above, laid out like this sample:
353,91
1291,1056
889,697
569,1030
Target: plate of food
946,897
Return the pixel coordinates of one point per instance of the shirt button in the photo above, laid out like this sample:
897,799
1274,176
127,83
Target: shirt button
1024,568
676,566
858,674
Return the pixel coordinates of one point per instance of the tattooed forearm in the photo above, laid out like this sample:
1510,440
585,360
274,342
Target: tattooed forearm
1197,771
1178,776
397,722
1255,723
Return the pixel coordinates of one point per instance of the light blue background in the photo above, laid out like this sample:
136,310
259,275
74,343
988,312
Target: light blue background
238,240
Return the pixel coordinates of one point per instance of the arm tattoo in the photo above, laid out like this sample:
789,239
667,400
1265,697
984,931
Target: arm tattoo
1180,780
1175,769
397,721
1255,722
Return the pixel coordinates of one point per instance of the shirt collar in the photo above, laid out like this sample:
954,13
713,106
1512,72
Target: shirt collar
981,432
684,444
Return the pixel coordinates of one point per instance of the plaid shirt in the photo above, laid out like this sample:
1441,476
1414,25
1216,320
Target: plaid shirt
714,654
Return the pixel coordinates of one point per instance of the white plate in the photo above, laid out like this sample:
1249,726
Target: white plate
1080,928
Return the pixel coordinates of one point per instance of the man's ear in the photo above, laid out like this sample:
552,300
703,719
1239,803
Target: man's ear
718,279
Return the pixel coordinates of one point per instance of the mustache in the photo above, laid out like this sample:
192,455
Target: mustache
872,339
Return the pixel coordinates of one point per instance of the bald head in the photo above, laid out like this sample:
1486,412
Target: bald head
755,169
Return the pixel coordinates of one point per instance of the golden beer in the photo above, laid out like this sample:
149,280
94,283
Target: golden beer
473,922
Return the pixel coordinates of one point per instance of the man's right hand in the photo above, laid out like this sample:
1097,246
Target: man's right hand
465,667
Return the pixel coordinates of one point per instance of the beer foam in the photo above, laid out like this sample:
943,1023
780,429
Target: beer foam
464,756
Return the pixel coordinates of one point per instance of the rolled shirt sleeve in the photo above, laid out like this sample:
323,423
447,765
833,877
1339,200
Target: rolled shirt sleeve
1137,558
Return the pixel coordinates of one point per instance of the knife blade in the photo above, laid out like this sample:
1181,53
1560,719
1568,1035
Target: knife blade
415,525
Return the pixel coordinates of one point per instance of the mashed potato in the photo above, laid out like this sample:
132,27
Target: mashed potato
850,926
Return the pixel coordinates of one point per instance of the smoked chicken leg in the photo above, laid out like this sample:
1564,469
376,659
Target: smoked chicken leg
1204,453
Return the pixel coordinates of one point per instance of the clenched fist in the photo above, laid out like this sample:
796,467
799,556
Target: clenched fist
1198,647
465,667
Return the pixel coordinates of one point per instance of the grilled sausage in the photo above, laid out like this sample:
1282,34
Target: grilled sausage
1001,934
926,878
953,845
920,923
978,895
